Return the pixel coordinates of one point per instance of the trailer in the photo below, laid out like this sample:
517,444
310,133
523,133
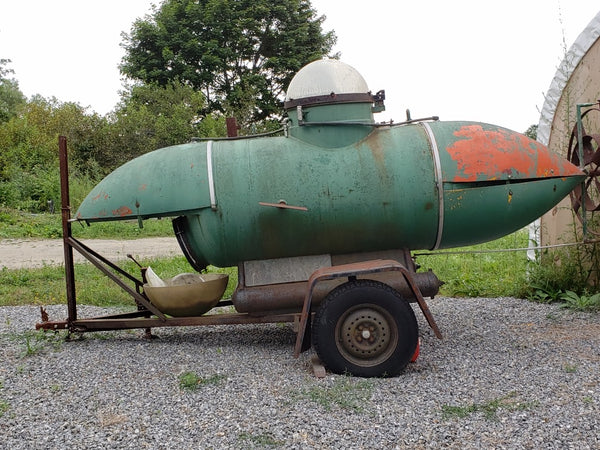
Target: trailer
320,221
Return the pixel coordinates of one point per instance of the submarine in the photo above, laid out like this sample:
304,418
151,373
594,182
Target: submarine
338,188
337,182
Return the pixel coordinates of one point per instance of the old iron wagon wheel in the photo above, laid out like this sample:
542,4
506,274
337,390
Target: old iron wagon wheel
588,195
365,328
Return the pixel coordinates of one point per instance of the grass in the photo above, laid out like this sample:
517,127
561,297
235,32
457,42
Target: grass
469,272
489,409
46,286
36,342
190,381
3,404
16,224
345,392
260,439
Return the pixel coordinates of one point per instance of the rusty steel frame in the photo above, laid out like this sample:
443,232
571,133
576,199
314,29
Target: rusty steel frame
142,318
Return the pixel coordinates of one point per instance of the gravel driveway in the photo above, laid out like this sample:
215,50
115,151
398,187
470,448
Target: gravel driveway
509,374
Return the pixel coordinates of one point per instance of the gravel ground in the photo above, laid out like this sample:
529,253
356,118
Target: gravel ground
508,374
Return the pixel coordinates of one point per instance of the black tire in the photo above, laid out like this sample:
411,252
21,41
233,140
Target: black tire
366,329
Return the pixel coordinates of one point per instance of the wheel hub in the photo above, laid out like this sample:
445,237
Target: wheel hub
364,333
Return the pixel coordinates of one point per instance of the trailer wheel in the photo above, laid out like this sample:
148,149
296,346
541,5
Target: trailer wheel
365,328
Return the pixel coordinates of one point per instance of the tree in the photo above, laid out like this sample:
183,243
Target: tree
150,116
241,54
531,132
11,96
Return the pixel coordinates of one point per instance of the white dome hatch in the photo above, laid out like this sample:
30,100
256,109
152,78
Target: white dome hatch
327,81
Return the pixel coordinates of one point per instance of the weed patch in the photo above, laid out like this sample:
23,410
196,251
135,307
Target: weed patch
489,409
345,392
582,302
261,439
3,404
37,342
190,381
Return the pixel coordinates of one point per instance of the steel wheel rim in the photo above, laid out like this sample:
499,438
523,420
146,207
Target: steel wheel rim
366,335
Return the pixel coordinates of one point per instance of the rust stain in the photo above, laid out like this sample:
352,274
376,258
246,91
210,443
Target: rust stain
551,164
101,195
122,211
143,187
377,146
488,153
500,153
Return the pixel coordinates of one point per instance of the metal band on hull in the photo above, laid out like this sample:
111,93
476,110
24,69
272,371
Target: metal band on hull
438,182
211,178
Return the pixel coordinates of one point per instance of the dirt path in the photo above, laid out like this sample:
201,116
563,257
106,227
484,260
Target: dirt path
21,253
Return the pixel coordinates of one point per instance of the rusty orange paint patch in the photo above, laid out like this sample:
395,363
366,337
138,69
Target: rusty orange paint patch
501,154
122,211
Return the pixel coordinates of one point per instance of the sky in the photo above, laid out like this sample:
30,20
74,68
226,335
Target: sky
461,60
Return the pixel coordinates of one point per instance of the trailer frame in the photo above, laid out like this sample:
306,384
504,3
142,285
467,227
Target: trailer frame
148,316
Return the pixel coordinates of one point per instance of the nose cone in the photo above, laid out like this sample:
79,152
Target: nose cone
495,181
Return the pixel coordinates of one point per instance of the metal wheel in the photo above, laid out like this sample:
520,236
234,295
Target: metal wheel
366,335
365,328
586,195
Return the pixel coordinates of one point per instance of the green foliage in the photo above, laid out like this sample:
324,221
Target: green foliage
567,276
3,407
29,174
261,439
557,272
345,392
241,55
15,224
543,295
148,117
36,342
191,381
531,132
489,408
582,302
3,404
192,61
